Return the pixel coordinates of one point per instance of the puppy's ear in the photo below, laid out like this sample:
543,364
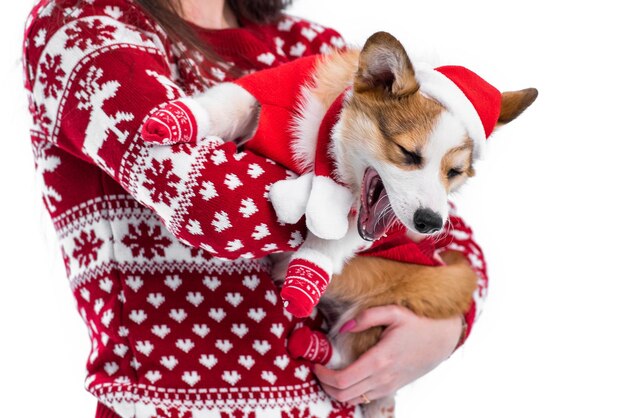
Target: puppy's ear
514,103
384,68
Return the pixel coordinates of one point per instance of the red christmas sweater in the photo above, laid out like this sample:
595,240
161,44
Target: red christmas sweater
165,245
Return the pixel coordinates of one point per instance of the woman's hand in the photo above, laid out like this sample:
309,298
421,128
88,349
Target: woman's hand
410,347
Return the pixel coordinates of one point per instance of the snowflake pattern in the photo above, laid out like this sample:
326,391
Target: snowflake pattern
161,181
86,34
172,413
87,246
145,241
40,118
341,410
296,412
238,413
51,76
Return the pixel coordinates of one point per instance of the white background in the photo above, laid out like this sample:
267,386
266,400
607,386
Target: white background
546,206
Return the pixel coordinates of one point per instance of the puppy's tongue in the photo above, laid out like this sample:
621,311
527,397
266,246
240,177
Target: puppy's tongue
375,213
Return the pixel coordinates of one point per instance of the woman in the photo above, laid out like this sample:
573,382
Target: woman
164,245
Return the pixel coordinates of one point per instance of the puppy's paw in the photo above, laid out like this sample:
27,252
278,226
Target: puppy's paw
310,345
306,280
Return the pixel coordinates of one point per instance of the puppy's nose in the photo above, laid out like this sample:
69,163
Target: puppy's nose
426,221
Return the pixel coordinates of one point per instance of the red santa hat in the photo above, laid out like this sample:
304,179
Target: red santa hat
467,96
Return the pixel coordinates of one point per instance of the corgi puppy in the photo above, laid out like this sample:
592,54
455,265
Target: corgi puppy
401,138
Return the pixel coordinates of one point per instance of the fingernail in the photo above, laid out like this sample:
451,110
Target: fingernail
348,326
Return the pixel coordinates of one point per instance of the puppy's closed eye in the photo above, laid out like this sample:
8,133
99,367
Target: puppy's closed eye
411,157
454,172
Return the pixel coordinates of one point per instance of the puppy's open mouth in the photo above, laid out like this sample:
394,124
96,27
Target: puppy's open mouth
375,213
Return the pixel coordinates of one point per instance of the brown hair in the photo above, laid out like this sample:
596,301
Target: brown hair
168,14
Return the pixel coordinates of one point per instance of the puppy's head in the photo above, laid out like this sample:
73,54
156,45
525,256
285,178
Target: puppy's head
406,150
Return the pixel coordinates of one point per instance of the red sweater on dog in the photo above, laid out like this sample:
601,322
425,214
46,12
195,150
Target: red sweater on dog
164,246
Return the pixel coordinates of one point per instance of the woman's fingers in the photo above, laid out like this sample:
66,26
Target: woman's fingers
354,391
375,386
368,364
373,317
374,362
341,379
377,392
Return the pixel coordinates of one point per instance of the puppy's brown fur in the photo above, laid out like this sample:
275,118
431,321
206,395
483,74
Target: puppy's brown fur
432,292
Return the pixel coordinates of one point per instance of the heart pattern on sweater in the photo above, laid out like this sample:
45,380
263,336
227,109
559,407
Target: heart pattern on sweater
246,361
231,377
224,345
277,329
239,330
195,298
120,350
191,378
160,330
251,282
106,284
111,368
217,314
98,305
169,362
178,315
257,314
302,372
281,362
137,316
234,298
212,283
208,361
261,347
266,58
134,282
185,344
173,282
201,330
107,317
155,299
269,377
144,347
153,376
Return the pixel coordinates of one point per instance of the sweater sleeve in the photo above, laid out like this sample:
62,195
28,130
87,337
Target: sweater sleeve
93,79
460,237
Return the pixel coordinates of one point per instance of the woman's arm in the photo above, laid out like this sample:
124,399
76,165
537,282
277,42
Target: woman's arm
93,81
459,237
